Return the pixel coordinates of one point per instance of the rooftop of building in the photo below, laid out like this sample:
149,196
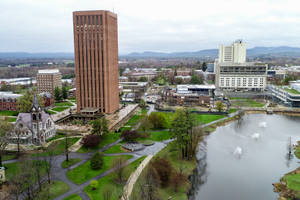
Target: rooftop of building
134,83
48,71
5,95
186,87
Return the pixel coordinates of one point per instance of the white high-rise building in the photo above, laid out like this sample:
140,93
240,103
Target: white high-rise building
235,53
234,73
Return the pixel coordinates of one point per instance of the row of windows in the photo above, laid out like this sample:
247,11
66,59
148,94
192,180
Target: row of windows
242,82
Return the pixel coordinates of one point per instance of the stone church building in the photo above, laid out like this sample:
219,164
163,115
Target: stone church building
33,128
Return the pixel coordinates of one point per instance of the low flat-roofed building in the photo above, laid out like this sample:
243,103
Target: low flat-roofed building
138,88
8,101
189,95
286,95
241,76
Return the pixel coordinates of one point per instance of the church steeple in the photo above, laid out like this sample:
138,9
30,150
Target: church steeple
35,104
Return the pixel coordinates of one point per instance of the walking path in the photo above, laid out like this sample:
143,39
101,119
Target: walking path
133,178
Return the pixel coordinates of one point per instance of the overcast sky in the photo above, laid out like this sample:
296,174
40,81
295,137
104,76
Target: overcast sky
152,25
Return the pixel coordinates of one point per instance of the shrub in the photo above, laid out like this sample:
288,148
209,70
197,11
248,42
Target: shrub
158,120
94,184
97,161
177,180
164,170
130,136
91,140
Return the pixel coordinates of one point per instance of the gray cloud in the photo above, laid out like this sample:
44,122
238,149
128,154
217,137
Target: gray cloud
167,26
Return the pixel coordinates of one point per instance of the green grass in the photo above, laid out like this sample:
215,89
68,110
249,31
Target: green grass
205,118
73,197
66,103
56,188
58,147
8,113
108,183
9,157
291,90
292,181
50,112
114,149
131,123
60,108
13,168
11,119
159,135
105,140
245,102
232,110
83,172
171,153
57,136
72,161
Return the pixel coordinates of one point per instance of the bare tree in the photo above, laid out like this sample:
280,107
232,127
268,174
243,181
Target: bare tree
67,147
5,128
118,165
49,159
28,176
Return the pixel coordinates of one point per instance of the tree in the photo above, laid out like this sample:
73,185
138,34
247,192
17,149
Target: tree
178,81
145,124
142,104
220,106
204,66
130,136
64,93
94,184
67,147
177,179
96,161
25,102
5,129
118,165
100,126
164,170
182,129
57,94
89,141
49,159
196,79
142,79
158,120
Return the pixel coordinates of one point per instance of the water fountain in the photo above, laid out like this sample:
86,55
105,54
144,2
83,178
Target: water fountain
263,124
238,151
256,136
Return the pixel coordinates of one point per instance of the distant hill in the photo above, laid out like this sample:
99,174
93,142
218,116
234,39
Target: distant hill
24,55
283,51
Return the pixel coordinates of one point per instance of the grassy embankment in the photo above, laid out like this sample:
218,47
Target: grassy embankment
83,172
245,102
108,183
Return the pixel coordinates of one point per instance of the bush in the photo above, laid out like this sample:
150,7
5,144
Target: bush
158,120
164,170
97,161
90,141
94,184
130,136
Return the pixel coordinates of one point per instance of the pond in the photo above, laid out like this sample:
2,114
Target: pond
241,160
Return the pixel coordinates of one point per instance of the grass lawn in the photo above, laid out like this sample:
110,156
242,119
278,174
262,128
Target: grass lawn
131,122
9,157
72,161
58,147
60,108
291,90
66,103
204,118
8,113
57,136
50,112
108,183
245,102
73,197
56,188
83,172
232,110
293,181
172,154
115,149
105,140
13,168
11,119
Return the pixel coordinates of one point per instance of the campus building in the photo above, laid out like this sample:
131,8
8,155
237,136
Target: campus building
8,101
96,61
189,95
235,74
48,80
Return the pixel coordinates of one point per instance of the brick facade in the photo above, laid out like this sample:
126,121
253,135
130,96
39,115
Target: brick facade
96,60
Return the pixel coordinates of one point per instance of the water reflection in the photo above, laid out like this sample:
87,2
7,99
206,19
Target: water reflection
261,142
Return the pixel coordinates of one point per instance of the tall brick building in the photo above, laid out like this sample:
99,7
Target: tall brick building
96,61
47,80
